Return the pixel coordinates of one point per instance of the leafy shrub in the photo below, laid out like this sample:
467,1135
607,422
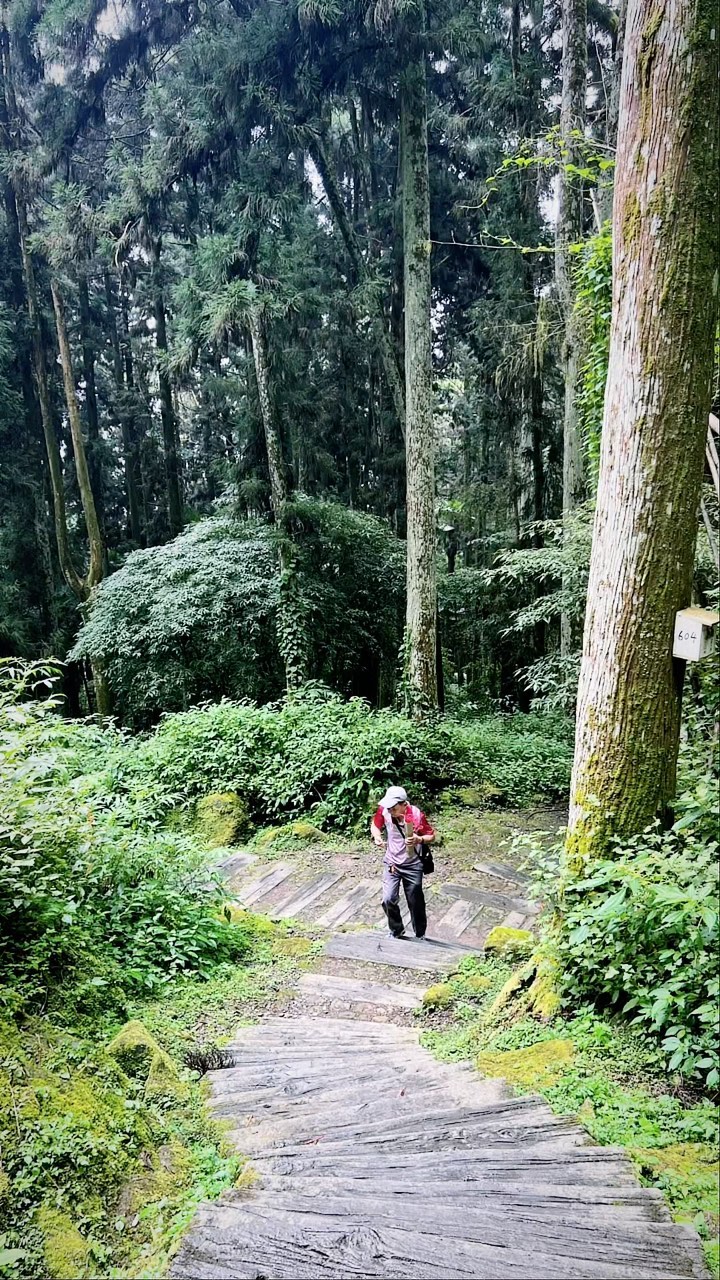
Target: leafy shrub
639,934
318,753
94,894
198,618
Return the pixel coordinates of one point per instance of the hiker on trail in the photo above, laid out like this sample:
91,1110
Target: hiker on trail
403,831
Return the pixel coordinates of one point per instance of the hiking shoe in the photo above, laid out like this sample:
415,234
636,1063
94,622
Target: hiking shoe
397,935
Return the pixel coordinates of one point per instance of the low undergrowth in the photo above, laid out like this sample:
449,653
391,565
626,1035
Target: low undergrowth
101,1173
609,1075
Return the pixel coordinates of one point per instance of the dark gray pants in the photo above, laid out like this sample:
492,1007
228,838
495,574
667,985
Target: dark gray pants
411,878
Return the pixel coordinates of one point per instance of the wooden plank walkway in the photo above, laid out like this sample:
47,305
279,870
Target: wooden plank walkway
374,1160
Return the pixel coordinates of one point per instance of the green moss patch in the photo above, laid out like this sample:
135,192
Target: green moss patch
509,942
441,996
66,1253
537,1065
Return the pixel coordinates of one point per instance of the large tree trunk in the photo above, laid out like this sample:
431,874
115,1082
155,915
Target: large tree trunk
421,631
328,178
655,423
97,548
569,231
167,411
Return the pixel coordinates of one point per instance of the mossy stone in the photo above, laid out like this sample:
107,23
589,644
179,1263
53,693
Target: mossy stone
269,836
221,819
538,1065
171,1171
305,831
509,942
66,1253
134,1049
440,996
163,1080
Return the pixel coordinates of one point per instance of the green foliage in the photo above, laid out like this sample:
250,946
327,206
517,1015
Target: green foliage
316,753
593,304
638,931
199,617
96,899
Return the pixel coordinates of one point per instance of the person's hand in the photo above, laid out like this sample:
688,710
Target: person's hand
411,841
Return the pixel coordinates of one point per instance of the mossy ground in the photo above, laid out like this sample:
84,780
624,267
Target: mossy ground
601,1071
107,1143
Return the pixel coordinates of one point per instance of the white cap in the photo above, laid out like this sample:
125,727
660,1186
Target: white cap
393,796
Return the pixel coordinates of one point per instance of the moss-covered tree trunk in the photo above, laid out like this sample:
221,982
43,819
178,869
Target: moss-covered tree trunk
569,231
656,406
421,634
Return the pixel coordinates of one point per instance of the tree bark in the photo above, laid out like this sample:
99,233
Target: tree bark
665,227
569,231
421,616
71,576
91,406
328,178
167,412
271,427
97,547
291,640
122,369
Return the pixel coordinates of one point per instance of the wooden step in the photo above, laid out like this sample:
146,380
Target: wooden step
251,893
348,906
501,872
305,895
325,986
431,956
483,897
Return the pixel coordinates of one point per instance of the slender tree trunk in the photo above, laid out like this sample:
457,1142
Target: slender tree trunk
352,244
97,548
291,640
569,231
665,227
122,369
271,426
94,456
421,617
167,412
42,384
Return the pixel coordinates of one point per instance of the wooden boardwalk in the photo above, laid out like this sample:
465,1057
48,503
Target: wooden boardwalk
372,1159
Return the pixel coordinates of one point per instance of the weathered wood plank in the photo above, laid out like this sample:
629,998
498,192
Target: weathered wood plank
306,896
457,918
265,883
327,986
431,956
501,872
349,905
502,901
